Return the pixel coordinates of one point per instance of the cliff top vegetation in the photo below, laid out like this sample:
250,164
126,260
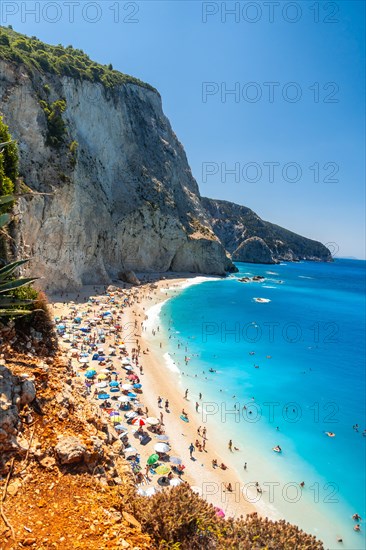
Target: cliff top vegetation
59,60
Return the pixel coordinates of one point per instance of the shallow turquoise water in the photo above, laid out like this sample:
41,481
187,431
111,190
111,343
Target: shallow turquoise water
313,329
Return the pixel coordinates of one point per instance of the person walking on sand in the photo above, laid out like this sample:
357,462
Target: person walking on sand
159,401
166,405
191,450
161,419
186,394
230,445
204,433
197,405
199,430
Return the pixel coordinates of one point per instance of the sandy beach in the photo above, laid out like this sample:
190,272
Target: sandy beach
139,329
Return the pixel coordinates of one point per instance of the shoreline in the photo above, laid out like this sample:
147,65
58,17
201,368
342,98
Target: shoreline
158,379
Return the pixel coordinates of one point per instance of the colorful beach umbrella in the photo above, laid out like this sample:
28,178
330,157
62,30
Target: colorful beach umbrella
175,460
219,512
162,470
101,385
103,396
114,383
152,459
127,386
101,376
139,421
137,386
124,399
162,437
161,448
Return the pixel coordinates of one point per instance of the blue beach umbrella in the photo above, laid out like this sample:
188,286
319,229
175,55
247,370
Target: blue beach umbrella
114,383
130,394
137,386
103,396
101,358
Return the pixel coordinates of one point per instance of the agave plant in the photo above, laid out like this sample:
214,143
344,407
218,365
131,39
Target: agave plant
9,305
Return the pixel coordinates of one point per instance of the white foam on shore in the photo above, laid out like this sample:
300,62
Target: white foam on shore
189,282
153,315
197,281
170,363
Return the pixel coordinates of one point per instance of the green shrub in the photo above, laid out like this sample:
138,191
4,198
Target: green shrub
4,40
67,61
55,123
73,147
9,158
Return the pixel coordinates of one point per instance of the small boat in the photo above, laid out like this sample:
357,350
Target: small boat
277,449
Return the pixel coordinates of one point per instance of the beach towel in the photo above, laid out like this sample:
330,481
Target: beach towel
146,439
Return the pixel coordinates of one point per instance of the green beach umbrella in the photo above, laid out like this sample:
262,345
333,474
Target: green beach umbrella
152,459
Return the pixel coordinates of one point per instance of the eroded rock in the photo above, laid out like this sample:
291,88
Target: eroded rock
70,450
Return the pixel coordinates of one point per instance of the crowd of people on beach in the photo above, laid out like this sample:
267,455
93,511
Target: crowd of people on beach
112,375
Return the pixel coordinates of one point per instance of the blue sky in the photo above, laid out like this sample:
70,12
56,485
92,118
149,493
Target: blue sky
297,154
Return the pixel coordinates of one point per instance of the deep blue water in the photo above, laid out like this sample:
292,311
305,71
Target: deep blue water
313,329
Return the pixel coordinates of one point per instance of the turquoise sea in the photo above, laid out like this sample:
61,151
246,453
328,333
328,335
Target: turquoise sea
296,363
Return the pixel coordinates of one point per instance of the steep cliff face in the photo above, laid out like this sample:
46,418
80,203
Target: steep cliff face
117,190
126,199
248,238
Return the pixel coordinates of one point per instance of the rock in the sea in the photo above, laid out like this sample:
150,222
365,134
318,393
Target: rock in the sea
129,276
254,250
70,450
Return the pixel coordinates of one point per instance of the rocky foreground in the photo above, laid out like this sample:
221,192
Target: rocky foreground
63,478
